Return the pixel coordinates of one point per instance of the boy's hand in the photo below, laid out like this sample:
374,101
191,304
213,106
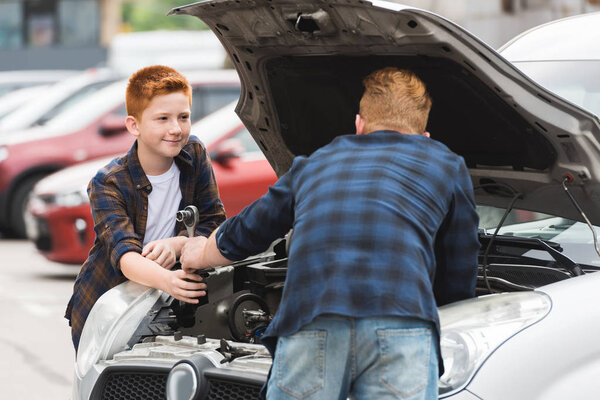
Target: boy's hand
161,252
177,286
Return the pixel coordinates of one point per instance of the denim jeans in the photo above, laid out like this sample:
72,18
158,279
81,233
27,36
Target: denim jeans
337,357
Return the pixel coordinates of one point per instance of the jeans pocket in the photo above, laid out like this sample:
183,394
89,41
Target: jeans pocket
300,362
405,355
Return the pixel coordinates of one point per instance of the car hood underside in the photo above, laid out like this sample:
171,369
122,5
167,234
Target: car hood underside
301,64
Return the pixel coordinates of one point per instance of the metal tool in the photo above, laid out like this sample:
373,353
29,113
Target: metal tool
190,217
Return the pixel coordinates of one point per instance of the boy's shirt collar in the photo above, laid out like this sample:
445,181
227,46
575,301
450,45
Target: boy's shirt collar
137,173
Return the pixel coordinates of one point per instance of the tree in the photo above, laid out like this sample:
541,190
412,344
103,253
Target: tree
149,15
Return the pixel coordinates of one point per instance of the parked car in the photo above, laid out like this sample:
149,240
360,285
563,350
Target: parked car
59,218
62,95
11,101
94,127
13,80
532,332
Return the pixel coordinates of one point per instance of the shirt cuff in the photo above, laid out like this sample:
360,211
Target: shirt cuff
124,246
227,244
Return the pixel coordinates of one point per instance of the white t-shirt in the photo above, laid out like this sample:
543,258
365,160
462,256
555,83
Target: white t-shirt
163,204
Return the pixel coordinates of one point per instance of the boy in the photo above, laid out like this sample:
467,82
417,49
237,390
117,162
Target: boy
384,226
135,198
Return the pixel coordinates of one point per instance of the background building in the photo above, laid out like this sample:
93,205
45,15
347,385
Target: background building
42,34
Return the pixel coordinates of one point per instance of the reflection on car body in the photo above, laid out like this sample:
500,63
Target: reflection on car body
301,63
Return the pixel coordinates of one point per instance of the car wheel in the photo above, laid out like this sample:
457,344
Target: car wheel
18,206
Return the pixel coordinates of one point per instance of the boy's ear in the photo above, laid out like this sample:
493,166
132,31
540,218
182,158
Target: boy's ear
132,125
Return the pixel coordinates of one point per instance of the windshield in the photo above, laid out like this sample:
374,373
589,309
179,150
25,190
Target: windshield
576,81
575,238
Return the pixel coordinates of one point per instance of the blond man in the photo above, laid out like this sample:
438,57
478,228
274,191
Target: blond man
385,229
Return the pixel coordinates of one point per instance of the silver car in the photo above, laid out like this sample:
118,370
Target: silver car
534,159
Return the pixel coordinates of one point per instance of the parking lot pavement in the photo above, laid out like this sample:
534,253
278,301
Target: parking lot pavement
35,343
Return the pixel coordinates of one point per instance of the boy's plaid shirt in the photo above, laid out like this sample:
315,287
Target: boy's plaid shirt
119,200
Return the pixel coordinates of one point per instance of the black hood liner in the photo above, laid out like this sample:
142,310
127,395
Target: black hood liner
316,99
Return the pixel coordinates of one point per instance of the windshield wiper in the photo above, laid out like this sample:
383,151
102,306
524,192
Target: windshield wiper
552,248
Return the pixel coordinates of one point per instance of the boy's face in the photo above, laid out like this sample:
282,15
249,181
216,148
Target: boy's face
164,127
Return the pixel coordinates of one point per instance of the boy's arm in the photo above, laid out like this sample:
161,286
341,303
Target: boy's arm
457,245
140,269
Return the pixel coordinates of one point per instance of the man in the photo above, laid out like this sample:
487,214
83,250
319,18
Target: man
384,225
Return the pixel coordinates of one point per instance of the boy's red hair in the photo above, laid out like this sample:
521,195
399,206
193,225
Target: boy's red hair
153,81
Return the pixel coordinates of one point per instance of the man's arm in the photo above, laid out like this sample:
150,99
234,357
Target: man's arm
457,245
248,233
201,252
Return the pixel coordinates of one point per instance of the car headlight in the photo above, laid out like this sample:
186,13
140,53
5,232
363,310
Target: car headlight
112,321
474,328
71,199
3,153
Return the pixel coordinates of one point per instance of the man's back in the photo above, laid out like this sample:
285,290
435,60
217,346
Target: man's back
367,211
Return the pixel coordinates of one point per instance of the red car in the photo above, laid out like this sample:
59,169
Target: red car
89,129
59,218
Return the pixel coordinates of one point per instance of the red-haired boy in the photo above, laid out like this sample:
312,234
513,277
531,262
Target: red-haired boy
135,198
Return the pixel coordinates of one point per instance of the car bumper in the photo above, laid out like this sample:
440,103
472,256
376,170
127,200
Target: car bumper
63,234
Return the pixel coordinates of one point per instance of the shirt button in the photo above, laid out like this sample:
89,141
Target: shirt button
138,186
145,207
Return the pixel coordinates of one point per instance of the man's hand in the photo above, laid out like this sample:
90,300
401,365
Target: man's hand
161,252
181,289
191,255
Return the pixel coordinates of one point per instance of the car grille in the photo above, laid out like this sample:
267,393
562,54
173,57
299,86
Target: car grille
151,385
134,386
227,390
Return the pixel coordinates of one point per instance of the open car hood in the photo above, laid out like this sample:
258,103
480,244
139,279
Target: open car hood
301,63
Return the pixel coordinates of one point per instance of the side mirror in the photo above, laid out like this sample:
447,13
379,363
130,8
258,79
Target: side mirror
227,151
111,125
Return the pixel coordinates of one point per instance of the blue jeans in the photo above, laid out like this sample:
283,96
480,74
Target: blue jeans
337,357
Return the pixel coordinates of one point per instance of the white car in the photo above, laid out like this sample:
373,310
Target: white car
64,94
14,80
12,100
534,159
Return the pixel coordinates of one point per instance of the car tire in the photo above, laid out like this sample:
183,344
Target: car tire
18,204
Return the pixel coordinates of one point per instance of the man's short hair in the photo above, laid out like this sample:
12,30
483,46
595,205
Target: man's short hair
395,99
152,81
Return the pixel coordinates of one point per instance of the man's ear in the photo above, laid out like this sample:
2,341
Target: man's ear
359,122
132,126
426,134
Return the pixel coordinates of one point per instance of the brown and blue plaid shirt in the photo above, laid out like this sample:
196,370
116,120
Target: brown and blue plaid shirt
119,199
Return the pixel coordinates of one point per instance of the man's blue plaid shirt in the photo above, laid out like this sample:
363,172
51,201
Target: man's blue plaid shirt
384,225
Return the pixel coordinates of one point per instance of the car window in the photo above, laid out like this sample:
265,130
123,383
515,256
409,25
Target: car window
70,100
250,145
576,81
206,99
